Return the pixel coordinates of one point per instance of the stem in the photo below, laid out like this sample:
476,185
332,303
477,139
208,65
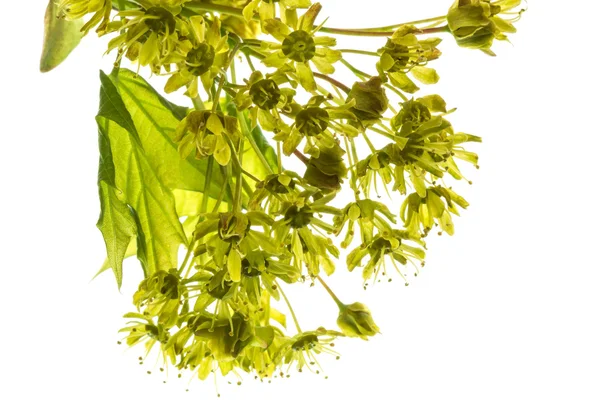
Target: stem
355,70
332,81
239,179
396,26
301,157
218,93
291,309
207,182
437,29
333,296
383,133
226,171
396,90
220,197
364,134
225,10
198,103
248,134
355,32
249,175
250,64
373,33
353,177
279,163
363,52
232,71
229,63
186,259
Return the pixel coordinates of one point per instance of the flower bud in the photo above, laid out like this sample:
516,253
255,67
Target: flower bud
355,320
476,24
370,98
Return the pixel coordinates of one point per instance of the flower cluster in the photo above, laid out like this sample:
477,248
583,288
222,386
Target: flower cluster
271,225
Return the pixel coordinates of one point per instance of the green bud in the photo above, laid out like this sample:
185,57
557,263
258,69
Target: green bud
476,23
355,320
370,99
328,169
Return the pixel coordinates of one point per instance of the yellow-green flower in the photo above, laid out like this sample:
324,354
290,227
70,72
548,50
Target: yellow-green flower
307,246
205,59
159,295
268,10
273,190
392,245
303,348
317,123
76,9
151,37
476,24
420,213
207,133
265,99
142,329
355,320
368,214
404,53
298,48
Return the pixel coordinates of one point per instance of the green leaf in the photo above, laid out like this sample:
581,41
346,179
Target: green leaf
132,111
117,226
155,119
159,231
116,222
60,38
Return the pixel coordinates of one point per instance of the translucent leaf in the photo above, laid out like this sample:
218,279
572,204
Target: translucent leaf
153,207
117,226
60,38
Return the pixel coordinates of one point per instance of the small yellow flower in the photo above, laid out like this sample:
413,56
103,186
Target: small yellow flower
204,61
298,46
76,9
150,36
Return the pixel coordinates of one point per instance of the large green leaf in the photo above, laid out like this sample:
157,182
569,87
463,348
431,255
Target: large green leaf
116,222
125,164
60,38
152,187
155,120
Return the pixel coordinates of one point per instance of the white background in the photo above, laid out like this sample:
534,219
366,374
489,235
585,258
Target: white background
505,309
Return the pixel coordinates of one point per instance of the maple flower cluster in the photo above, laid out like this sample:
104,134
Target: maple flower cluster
266,226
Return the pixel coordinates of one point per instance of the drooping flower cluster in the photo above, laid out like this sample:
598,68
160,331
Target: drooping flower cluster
271,226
